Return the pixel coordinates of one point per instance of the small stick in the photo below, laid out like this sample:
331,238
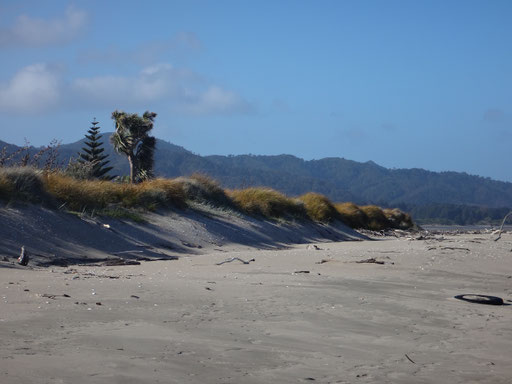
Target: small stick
408,358
134,251
502,224
235,258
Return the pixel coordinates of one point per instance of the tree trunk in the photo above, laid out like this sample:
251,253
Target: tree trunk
132,170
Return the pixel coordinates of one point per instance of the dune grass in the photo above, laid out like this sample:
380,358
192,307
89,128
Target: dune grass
268,203
377,220
99,194
319,208
123,200
204,189
398,219
22,184
352,215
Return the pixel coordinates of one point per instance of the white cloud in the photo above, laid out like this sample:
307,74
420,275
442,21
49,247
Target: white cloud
215,100
36,32
33,89
182,90
41,87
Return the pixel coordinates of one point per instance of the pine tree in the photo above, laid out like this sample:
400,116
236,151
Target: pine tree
92,154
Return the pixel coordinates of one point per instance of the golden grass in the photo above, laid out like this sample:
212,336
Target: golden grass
28,184
204,189
377,220
352,215
398,219
318,207
89,194
266,202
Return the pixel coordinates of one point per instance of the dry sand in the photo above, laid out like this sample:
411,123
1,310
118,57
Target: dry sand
192,321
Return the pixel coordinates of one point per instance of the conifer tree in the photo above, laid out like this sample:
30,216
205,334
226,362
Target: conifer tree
92,154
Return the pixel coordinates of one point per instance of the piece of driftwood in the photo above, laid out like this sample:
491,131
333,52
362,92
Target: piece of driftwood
411,360
24,258
502,224
235,258
372,260
132,251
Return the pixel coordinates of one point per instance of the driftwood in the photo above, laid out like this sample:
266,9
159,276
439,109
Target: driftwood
502,224
372,260
24,258
233,259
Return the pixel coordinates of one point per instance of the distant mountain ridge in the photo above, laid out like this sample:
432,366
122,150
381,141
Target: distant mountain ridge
337,178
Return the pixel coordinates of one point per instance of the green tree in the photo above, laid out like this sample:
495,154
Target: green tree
131,138
93,156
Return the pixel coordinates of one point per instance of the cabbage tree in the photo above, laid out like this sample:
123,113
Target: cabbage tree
131,138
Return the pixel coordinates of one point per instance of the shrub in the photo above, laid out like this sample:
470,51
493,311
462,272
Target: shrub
78,170
376,218
319,207
352,215
202,188
22,183
267,202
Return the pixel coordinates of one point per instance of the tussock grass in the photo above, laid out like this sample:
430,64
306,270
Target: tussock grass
377,220
398,219
23,184
267,202
202,188
319,208
352,215
98,194
117,199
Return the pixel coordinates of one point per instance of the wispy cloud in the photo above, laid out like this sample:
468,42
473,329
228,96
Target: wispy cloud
36,32
179,45
33,89
37,88
494,115
215,100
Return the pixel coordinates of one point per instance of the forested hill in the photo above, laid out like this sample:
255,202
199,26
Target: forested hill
337,178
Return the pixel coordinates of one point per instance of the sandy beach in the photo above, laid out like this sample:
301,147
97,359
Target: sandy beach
307,313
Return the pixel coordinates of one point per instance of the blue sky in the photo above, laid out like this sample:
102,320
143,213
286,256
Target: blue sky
425,84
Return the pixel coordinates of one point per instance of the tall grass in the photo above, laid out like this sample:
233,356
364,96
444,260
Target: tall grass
32,185
23,184
352,215
377,220
98,194
268,203
201,188
398,219
319,207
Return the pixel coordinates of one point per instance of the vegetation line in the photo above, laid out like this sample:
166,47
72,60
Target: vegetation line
122,200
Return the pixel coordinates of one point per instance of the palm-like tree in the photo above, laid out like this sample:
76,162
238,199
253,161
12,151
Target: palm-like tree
131,138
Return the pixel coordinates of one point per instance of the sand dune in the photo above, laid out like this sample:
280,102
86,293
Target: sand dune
55,237
302,314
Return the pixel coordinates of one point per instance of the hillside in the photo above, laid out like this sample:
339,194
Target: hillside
337,178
